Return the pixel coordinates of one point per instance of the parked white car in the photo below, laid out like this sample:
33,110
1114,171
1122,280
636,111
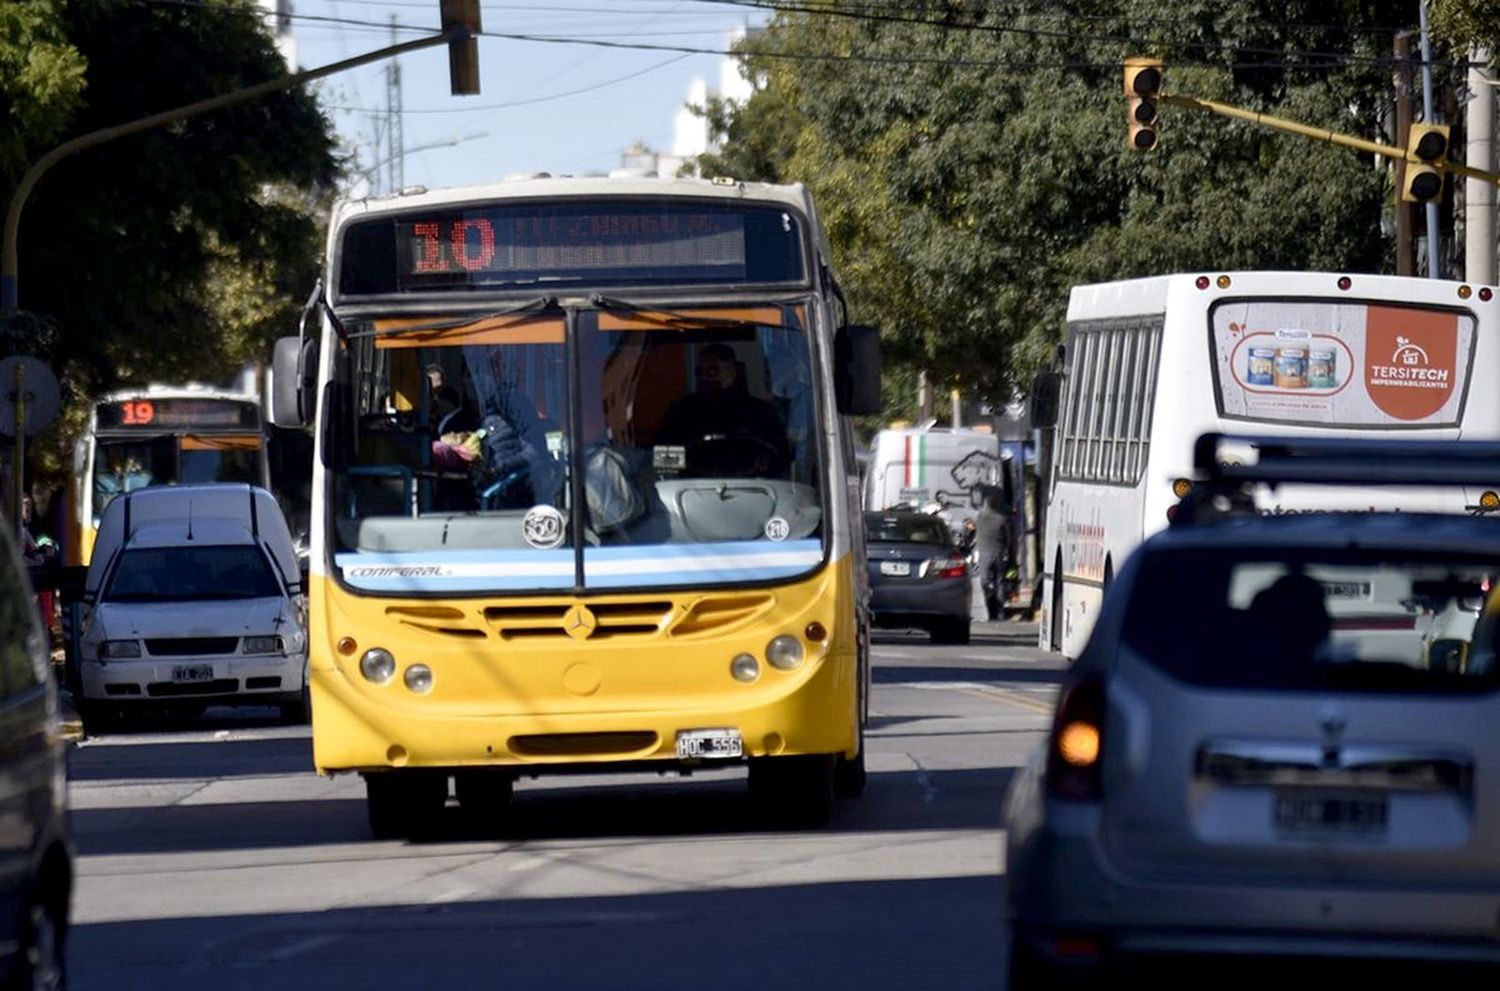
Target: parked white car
193,598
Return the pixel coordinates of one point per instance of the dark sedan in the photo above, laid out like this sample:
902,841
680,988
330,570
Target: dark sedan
918,576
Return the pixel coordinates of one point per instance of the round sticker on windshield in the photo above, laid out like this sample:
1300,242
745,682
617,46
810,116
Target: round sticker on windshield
778,528
543,527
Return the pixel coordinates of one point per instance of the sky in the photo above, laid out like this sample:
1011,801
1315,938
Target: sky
564,106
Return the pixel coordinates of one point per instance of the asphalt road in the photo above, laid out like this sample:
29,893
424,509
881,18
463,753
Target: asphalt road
210,855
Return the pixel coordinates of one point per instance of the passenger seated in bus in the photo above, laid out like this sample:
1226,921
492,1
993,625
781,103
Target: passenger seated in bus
725,430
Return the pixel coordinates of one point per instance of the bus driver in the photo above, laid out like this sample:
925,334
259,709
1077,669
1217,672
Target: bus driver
724,429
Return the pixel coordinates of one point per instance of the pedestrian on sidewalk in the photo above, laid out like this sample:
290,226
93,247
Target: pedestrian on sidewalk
992,545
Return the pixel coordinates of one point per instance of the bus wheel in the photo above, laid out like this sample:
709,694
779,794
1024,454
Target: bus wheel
484,796
794,791
403,804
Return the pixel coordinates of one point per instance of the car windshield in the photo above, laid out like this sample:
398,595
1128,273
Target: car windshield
905,530
185,574
1293,619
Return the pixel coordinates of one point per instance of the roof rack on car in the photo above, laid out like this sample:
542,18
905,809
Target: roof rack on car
1346,461
1226,479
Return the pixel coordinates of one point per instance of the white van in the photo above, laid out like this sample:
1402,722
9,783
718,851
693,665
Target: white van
914,468
193,597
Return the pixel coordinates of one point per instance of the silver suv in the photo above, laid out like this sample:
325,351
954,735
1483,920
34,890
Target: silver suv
1278,741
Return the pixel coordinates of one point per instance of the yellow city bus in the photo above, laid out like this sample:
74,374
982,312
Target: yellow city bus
584,492
161,435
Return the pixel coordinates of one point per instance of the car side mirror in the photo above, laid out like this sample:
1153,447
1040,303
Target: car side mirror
856,375
1046,391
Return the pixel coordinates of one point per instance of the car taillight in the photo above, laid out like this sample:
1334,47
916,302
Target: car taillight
1075,750
945,567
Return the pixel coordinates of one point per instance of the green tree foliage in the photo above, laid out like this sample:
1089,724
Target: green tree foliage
1465,23
178,253
969,158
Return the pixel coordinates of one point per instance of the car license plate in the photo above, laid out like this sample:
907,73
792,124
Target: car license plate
895,567
193,672
1361,814
709,744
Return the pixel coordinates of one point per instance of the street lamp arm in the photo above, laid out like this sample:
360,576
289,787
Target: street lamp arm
9,260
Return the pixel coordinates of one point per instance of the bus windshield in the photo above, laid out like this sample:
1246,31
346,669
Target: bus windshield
684,455
127,464
1341,364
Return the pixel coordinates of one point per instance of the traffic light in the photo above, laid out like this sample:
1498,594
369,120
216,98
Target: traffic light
463,50
1142,85
1426,145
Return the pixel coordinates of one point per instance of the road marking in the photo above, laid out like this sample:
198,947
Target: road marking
1015,696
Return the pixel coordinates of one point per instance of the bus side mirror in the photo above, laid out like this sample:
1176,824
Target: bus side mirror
294,380
1046,389
856,373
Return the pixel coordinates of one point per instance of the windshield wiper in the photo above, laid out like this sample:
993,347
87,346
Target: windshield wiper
538,305
675,320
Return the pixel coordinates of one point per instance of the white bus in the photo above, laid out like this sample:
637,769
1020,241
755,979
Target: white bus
1151,364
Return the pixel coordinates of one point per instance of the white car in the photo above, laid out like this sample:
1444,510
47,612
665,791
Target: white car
193,598
1259,754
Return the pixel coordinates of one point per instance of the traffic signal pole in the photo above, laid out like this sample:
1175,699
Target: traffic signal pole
9,255
1320,134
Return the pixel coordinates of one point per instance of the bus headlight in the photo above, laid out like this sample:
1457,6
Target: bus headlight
744,668
377,665
111,649
418,678
785,653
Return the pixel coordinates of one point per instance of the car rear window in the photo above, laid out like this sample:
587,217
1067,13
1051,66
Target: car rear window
181,574
1341,621
904,530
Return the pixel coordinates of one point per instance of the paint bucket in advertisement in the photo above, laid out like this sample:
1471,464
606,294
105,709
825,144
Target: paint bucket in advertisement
1320,368
1291,367
1262,366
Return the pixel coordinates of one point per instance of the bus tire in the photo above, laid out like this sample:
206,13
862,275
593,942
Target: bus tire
794,791
404,804
484,797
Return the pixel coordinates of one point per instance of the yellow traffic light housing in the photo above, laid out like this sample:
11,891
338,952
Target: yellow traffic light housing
462,17
1426,150
1143,86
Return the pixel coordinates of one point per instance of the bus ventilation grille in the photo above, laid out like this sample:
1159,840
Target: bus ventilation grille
603,620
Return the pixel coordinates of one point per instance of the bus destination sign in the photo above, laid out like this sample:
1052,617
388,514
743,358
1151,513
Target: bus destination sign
172,413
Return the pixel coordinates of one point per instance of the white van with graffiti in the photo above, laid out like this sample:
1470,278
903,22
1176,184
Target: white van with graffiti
916,468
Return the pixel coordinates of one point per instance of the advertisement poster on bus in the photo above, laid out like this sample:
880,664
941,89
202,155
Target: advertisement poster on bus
1342,364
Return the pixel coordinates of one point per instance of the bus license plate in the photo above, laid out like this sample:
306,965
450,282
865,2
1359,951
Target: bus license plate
709,744
895,567
193,672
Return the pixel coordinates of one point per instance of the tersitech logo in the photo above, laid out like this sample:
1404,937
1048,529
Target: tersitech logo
1411,360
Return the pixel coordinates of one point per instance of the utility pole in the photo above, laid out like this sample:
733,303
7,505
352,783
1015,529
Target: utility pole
1479,196
1402,49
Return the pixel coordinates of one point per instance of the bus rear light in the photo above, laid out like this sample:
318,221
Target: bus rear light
1485,293
1223,281
1345,282
378,665
785,653
1464,292
744,668
1202,282
945,567
418,678
1181,487
1075,750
